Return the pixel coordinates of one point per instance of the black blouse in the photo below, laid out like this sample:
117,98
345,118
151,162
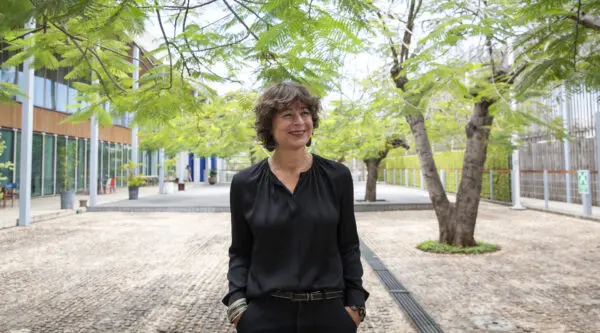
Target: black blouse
305,241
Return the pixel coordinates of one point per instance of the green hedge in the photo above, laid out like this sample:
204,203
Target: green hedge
497,159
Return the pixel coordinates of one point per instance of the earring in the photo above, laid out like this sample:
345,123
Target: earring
309,142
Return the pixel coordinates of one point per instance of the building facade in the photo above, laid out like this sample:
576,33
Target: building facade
61,150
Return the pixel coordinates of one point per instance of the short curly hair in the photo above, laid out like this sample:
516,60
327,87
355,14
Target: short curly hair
277,98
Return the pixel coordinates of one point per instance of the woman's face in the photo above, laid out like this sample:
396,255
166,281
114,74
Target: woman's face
292,128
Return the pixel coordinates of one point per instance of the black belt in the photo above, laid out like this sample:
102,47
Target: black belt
309,295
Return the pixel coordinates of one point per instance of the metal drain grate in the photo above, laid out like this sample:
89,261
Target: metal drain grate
422,321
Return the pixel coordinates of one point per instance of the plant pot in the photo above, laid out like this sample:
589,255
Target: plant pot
67,200
212,180
134,192
181,187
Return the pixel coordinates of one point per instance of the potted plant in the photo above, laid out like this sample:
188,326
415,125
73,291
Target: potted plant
66,160
212,178
134,179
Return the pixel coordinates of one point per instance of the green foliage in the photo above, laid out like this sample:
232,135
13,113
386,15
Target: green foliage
4,165
66,163
133,177
555,47
363,127
437,247
498,158
221,126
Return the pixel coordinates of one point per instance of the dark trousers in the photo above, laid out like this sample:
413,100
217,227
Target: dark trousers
276,315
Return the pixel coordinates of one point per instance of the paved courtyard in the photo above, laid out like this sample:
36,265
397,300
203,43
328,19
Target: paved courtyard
123,272
165,272
545,279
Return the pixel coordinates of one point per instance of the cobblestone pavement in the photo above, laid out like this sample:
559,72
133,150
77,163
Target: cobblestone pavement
545,279
121,272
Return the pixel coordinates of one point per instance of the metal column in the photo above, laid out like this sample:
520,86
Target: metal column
566,108
26,138
93,161
135,128
516,175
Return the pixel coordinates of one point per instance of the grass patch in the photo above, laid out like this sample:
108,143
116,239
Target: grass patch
437,247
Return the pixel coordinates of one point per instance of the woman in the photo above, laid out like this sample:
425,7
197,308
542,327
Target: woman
294,257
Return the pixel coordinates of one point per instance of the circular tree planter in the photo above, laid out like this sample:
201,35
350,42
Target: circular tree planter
437,247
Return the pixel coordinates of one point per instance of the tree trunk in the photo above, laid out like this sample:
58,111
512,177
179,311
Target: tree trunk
372,168
444,210
469,192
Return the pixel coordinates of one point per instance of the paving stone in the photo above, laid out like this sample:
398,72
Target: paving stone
125,272
545,278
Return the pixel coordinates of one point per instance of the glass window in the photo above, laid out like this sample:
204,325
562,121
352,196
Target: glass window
37,158
6,155
62,165
105,159
8,74
62,90
17,161
81,165
87,165
21,83
49,165
113,160
71,100
61,97
50,86
72,162
39,84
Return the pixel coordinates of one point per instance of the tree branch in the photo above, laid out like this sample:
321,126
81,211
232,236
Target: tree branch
253,12
224,45
83,53
240,20
587,20
188,7
25,34
388,32
168,43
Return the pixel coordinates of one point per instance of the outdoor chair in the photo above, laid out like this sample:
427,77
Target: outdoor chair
112,185
10,192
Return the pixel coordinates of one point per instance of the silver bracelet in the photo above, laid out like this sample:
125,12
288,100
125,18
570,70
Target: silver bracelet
236,308
237,313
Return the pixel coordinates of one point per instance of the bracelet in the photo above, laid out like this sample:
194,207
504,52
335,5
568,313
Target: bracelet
236,308
238,313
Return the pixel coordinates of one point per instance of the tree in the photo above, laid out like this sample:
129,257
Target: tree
222,126
487,91
364,127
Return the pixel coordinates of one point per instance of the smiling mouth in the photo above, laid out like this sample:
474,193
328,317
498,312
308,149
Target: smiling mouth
297,133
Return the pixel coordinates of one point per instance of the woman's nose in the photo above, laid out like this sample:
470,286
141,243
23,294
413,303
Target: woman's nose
298,119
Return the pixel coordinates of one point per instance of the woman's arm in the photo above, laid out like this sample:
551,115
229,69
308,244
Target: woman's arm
349,245
241,245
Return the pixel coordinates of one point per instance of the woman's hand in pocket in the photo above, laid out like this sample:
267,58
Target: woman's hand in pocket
237,320
354,315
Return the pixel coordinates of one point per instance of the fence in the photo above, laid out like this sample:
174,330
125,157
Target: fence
547,185
495,183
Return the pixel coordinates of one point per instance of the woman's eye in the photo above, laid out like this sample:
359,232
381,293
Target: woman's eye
306,113
286,115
